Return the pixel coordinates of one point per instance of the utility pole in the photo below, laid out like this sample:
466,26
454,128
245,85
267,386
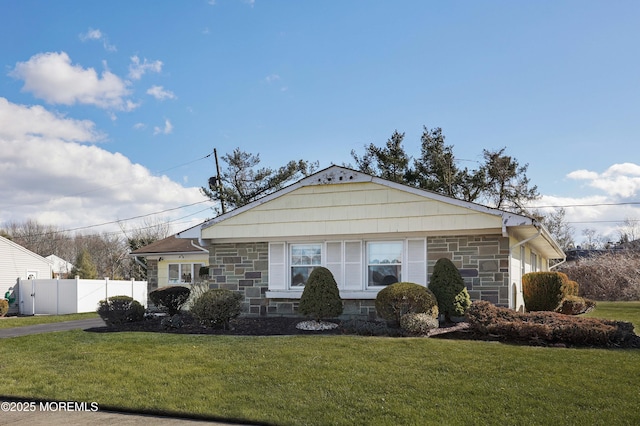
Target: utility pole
219,182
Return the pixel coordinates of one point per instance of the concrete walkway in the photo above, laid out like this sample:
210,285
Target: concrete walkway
39,413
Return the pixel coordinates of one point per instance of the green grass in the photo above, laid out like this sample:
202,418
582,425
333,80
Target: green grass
11,322
621,311
331,380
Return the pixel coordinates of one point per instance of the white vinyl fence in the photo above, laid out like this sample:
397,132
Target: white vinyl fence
58,297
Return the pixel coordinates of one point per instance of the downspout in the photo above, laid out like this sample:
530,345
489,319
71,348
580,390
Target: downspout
139,262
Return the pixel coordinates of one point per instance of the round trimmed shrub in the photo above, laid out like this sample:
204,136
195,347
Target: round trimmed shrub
396,300
118,310
418,324
448,286
171,298
320,297
4,307
216,307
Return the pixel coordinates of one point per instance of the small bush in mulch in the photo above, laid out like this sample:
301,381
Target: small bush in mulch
171,298
548,328
118,310
216,307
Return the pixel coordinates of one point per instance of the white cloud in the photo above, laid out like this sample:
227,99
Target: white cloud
137,69
619,180
159,93
18,122
52,77
97,35
272,78
139,126
50,174
168,128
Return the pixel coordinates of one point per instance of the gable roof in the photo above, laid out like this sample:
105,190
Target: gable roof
522,226
22,249
170,245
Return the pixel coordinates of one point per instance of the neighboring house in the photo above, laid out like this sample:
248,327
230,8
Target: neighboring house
16,262
172,261
369,232
60,267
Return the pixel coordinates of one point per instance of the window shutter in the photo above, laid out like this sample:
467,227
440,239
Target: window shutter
334,261
353,265
277,266
416,264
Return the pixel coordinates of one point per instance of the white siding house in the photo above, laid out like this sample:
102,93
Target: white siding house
16,262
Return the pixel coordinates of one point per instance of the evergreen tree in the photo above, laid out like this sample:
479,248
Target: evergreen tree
321,297
242,182
84,266
389,162
448,286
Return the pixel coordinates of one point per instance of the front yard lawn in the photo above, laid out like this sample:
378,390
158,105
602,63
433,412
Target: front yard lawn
323,380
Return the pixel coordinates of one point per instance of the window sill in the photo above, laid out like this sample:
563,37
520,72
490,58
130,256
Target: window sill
344,294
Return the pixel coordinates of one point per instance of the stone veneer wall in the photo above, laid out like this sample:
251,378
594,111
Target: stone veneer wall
483,262
152,275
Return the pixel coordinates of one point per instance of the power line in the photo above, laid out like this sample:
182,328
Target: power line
589,205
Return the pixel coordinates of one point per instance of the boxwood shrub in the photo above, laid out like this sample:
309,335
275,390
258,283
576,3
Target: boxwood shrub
544,291
216,307
4,307
396,300
171,298
118,310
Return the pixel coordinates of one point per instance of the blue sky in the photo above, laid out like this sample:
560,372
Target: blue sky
108,108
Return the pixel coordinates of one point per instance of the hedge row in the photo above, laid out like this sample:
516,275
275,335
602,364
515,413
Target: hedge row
548,327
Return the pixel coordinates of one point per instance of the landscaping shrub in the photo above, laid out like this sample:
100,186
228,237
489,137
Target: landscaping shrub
216,307
547,327
543,291
4,307
399,299
170,298
448,286
575,305
119,310
418,324
320,298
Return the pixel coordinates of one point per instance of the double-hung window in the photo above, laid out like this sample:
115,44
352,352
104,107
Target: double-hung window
384,263
304,258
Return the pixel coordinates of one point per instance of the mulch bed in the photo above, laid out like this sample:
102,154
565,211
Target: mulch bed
255,326
286,326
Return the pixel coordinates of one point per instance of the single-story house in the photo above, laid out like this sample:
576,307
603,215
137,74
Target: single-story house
369,232
61,268
172,261
16,262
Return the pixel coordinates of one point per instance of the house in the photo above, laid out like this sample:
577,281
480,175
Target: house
16,262
369,232
172,261
60,267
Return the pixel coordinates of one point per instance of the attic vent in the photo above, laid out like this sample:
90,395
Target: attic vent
351,177
340,178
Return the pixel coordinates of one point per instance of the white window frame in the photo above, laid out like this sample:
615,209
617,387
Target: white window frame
311,265
182,270
399,265
347,260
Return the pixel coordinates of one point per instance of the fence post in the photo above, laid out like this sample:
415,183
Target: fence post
57,297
